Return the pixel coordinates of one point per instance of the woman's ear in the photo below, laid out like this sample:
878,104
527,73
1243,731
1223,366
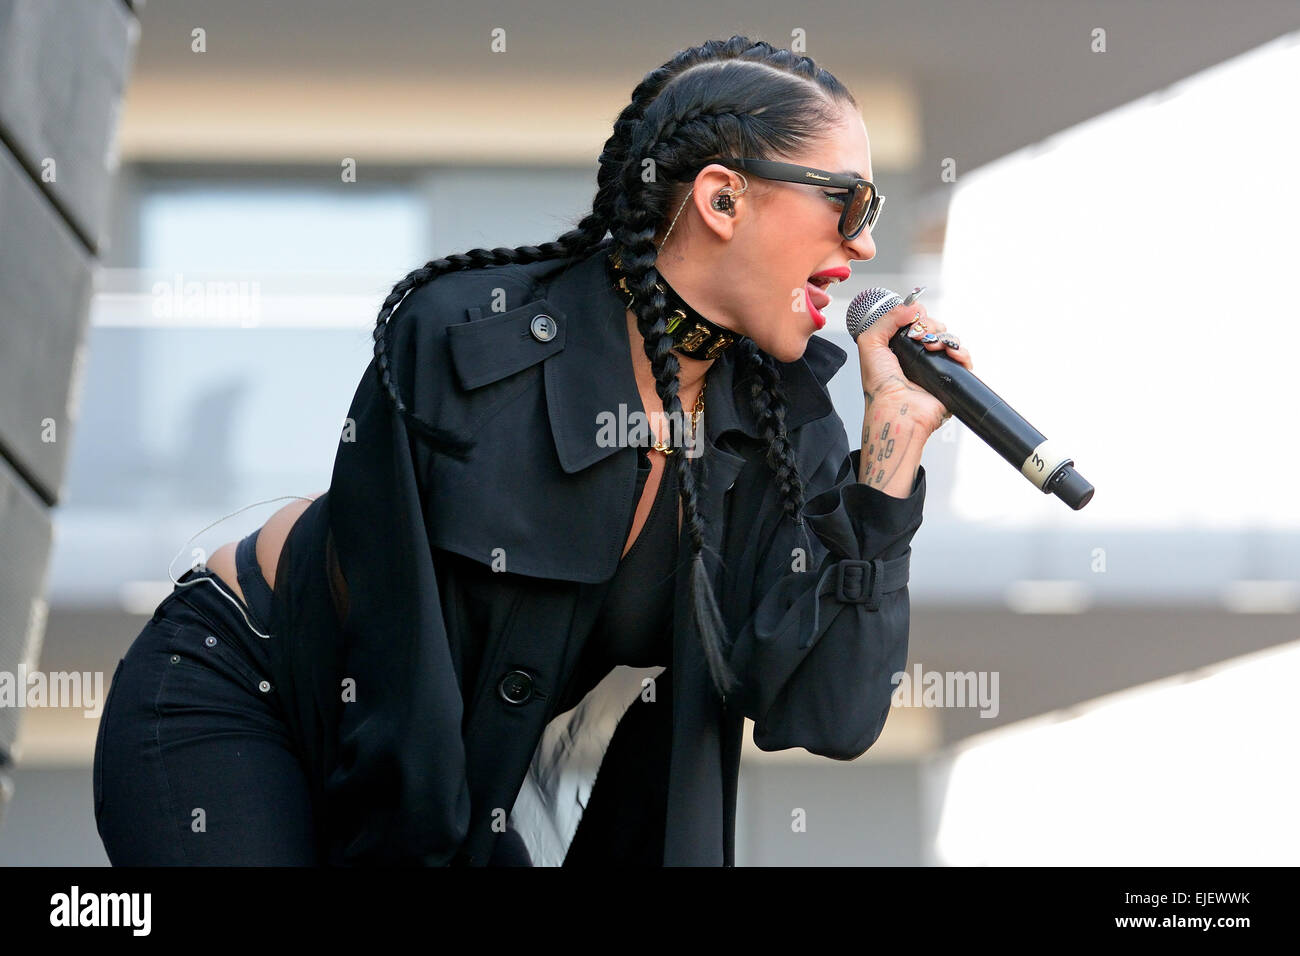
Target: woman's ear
716,199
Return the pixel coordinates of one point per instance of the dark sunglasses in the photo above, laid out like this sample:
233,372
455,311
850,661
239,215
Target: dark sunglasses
861,207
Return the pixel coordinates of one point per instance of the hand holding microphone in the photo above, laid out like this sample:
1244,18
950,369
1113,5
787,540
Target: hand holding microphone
901,348
884,379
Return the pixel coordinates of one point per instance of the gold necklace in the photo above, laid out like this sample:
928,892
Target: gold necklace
659,445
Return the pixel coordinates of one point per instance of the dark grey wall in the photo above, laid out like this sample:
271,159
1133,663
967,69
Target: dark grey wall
63,69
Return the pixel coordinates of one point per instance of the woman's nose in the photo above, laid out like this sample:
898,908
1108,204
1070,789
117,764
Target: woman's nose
863,247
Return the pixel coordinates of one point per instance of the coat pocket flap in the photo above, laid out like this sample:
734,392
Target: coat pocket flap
485,350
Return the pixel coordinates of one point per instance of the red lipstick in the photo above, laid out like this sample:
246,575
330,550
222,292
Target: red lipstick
815,295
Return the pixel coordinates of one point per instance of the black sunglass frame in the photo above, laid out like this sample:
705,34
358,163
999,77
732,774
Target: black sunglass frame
794,173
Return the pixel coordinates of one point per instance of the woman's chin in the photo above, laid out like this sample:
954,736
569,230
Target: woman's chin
784,343
788,348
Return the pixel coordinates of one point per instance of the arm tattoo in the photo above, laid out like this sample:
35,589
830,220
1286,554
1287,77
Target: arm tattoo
886,437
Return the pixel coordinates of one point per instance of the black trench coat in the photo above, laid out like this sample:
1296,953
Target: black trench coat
421,717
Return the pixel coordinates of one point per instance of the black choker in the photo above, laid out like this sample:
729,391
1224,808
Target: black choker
693,335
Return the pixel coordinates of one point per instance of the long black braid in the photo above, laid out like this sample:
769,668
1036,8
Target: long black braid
767,398
746,98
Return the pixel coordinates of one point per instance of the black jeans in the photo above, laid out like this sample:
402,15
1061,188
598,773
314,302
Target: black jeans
193,763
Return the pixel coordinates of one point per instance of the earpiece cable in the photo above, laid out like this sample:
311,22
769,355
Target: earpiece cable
185,584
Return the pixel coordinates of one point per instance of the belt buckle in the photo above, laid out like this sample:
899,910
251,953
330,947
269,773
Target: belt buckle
849,580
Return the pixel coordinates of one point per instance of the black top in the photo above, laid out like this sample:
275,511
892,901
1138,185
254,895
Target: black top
635,622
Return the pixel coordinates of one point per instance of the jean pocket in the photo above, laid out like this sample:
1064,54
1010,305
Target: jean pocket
195,645
97,772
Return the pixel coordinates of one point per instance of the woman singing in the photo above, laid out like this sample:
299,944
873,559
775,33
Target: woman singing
591,508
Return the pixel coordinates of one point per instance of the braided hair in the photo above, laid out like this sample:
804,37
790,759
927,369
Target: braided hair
734,97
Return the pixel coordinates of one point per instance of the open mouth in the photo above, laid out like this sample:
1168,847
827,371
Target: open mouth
817,286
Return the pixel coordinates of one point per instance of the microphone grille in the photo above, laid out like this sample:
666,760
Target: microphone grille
867,306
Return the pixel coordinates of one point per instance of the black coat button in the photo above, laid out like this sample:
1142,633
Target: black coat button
543,327
516,687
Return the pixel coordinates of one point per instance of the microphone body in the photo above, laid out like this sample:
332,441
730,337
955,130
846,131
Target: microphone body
981,409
